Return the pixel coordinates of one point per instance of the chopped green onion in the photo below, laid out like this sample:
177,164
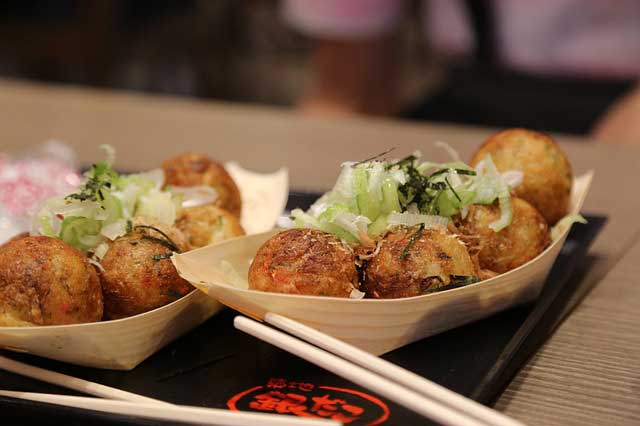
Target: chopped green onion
565,223
75,229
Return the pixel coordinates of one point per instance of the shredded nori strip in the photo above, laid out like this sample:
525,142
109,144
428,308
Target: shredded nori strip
457,281
161,256
458,171
374,157
464,279
452,190
129,226
412,241
165,243
433,205
431,279
100,175
419,189
173,294
436,185
401,163
466,172
168,239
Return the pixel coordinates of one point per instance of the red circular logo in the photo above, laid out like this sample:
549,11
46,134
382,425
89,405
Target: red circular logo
303,399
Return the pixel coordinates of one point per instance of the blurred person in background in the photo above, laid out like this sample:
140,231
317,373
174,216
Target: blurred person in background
555,65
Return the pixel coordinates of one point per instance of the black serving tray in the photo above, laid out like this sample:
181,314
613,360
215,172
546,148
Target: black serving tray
218,366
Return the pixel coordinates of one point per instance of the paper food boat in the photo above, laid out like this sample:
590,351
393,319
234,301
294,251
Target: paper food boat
122,344
377,326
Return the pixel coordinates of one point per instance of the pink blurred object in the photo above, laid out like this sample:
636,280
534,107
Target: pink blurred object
26,182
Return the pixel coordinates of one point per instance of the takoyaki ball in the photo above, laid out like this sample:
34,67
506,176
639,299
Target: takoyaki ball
45,281
138,274
207,224
526,237
411,262
547,173
304,261
16,238
195,169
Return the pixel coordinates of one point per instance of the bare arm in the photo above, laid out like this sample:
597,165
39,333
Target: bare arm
621,123
352,77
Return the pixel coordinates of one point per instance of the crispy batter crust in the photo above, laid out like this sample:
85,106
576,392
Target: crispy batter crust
194,169
208,224
547,173
428,263
133,282
44,281
526,237
304,261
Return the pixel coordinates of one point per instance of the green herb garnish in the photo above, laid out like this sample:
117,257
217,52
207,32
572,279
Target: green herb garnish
100,176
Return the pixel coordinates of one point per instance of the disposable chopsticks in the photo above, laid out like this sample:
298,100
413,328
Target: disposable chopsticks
74,383
176,413
443,409
391,371
121,402
356,374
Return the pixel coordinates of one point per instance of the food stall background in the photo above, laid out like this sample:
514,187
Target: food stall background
222,49
245,52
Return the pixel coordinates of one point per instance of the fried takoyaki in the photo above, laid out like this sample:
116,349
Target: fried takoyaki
304,261
412,261
207,224
44,281
525,238
194,169
138,274
16,237
547,173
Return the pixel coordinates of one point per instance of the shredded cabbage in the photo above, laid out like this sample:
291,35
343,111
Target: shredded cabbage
195,195
103,205
372,196
565,223
412,219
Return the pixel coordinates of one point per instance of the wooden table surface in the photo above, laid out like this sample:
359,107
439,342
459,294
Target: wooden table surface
587,373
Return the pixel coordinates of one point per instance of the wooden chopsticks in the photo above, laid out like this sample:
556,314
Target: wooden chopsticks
402,386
